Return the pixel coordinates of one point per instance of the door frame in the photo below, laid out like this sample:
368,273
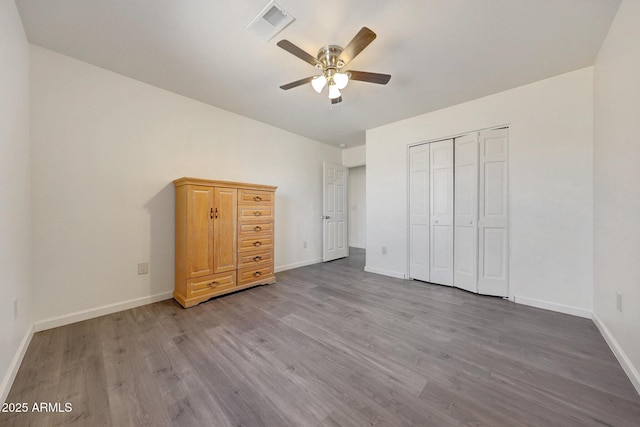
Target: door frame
507,125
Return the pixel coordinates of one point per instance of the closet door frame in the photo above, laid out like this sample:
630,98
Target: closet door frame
508,293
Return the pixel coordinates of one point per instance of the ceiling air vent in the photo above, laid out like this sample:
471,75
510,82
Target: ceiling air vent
270,21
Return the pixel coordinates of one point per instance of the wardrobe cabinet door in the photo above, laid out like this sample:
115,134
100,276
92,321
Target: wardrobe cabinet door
441,236
419,212
199,226
465,243
493,213
225,229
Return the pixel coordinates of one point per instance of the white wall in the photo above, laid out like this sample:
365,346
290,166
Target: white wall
105,149
15,235
357,206
551,203
354,156
617,187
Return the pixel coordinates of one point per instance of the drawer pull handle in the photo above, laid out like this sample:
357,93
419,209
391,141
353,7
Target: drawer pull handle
211,284
257,228
257,213
257,243
257,198
257,273
257,258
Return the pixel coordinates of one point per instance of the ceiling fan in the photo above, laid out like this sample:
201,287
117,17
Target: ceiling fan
331,60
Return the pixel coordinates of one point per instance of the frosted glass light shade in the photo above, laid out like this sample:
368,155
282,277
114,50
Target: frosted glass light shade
341,79
334,92
318,83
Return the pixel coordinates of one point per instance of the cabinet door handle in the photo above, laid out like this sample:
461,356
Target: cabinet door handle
257,243
216,214
257,228
211,284
257,213
257,273
211,214
257,198
257,258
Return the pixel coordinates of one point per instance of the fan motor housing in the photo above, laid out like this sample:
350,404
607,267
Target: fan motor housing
328,57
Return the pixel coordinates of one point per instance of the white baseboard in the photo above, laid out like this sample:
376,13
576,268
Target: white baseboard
296,265
625,362
7,381
357,245
384,272
78,316
547,305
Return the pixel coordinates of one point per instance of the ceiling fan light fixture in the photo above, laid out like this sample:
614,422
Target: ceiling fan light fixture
341,80
318,83
330,61
334,92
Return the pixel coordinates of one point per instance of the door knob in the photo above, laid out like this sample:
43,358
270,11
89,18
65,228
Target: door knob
470,222
435,222
327,217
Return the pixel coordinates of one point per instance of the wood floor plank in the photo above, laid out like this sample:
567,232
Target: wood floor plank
328,345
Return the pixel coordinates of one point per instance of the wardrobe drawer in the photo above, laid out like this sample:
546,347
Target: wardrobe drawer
255,213
253,228
251,275
255,197
254,259
212,285
255,243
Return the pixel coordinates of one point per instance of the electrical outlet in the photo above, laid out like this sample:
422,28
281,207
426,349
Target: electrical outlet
15,308
304,245
384,250
619,301
143,268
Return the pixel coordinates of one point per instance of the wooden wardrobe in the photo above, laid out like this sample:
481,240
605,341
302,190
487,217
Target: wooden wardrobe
224,238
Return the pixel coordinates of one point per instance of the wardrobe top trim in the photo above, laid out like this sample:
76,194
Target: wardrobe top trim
206,182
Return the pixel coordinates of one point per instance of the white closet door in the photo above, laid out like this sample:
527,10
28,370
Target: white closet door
465,246
493,213
441,261
419,212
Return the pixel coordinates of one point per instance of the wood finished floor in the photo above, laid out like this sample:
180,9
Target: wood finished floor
328,345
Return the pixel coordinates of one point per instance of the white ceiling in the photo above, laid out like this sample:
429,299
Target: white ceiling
439,52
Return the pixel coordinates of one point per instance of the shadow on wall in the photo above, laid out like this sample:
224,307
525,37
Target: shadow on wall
162,212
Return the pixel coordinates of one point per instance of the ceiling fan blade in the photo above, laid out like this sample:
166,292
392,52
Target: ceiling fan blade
295,50
357,45
363,76
297,83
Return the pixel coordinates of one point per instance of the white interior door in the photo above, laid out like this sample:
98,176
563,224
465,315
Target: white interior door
465,244
493,218
335,179
441,233
419,212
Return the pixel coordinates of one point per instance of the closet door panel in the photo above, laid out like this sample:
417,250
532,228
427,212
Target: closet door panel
465,246
419,212
493,213
441,242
